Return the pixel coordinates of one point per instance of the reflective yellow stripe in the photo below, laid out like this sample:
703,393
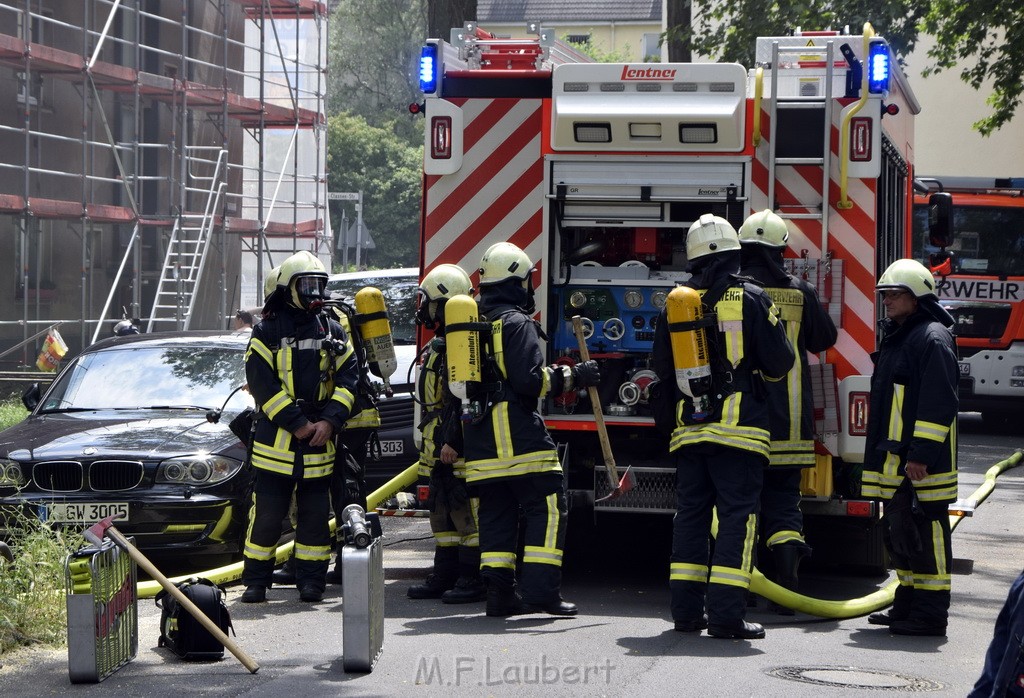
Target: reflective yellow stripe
471,540
502,431
896,413
261,350
527,464
276,403
446,539
784,537
345,396
930,431
748,545
498,559
687,572
729,576
551,524
316,553
905,577
542,556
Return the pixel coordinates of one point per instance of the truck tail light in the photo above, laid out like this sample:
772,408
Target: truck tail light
859,414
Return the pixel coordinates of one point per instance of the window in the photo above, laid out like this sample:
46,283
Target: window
651,49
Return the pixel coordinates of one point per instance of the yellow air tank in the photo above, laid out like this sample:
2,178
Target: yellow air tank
375,329
462,350
689,347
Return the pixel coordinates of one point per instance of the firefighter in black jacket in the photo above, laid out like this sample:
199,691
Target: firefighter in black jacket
510,456
809,328
302,373
721,453
453,517
910,452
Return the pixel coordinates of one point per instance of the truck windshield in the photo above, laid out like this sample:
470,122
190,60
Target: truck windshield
989,240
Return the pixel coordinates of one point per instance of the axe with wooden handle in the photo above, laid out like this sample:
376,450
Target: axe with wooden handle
94,534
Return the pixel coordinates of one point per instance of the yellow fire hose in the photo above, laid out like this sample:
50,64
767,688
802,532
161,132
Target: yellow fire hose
851,608
759,584
233,572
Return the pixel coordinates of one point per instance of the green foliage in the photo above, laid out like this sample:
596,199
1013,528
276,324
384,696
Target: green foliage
992,31
988,31
387,169
373,59
598,53
727,29
32,606
11,412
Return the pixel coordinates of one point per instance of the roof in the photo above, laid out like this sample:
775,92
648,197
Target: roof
555,11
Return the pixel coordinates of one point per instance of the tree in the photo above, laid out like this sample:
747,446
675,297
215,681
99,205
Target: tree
678,14
445,15
373,60
991,31
374,160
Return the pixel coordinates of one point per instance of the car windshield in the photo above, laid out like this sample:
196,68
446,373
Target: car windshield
399,295
167,377
988,241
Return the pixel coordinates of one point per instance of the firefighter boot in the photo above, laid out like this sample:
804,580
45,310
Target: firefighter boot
787,563
504,600
469,588
446,571
286,575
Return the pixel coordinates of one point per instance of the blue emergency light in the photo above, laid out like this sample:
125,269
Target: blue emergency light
428,68
879,66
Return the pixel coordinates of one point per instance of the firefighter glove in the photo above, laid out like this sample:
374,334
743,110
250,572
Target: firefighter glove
586,374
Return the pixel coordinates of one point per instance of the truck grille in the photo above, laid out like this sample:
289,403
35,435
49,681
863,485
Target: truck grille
654,491
58,476
984,320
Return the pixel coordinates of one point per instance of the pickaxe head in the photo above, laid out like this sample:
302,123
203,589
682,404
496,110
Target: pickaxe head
94,534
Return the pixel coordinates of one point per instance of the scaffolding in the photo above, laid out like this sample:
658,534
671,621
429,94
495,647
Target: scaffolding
158,156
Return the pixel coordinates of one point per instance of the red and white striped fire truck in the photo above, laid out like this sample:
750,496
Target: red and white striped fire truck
597,171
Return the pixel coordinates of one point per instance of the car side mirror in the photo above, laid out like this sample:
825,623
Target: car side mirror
940,219
30,398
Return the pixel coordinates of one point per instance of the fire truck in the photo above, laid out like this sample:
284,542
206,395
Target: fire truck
982,286
597,171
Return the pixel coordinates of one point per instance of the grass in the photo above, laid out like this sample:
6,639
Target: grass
11,412
32,607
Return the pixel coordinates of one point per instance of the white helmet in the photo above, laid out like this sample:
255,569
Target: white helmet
764,228
304,276
502,261
441,283
908,275
710,234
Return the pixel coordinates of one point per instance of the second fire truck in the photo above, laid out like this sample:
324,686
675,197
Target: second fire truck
597,171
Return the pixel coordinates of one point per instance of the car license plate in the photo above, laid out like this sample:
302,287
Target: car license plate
965,368
392,448
85,512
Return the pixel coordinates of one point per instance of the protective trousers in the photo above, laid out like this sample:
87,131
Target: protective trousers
924,577
456,540
728,479
270,501
1003,674
781,520
542,500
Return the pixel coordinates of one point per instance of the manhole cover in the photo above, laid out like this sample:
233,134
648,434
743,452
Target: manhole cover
854,677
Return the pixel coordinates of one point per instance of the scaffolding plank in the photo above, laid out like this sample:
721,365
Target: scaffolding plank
284,9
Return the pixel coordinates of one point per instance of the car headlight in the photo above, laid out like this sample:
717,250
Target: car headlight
199,470
11,474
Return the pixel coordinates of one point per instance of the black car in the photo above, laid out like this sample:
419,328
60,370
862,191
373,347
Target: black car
398,286
123,432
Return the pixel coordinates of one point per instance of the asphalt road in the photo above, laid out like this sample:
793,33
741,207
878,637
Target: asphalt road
621,643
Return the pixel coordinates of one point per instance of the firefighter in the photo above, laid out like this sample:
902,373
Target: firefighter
809,328
510,457
456,574
722,447
353,446
910,450
302,373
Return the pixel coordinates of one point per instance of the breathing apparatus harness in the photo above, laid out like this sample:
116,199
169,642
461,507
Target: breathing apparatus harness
726,379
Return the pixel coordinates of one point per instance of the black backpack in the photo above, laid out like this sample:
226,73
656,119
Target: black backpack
183,634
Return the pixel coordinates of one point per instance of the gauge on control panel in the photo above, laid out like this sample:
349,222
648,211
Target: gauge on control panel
633,298
658,299
578,299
